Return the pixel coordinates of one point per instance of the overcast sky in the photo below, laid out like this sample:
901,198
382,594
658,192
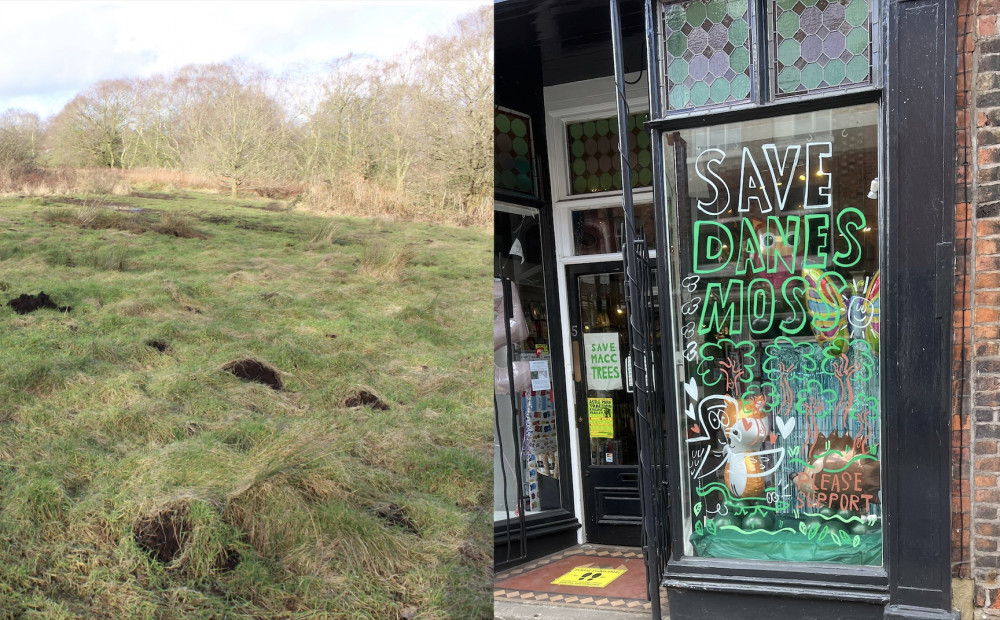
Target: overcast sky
50,51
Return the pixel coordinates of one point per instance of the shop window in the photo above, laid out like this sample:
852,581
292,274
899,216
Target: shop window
819,44
711,58
598,231
594,161
514,154
526,439
776,278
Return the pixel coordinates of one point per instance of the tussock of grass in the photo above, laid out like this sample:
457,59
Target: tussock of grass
331,233
178,225
116,257
384,264
279,492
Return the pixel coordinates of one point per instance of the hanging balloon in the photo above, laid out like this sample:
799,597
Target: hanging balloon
745,428
828,311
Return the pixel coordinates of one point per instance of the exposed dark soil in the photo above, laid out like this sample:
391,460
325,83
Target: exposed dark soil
180,229
69,200
25,303
274,206
217,219
227,561
161,535
394,514
262,227
365,398
152,195
159,345
254,370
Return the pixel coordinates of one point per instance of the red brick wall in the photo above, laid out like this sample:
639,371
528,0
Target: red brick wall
982,389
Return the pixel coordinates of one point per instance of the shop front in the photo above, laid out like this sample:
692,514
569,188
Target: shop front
568,471
808,257
791,164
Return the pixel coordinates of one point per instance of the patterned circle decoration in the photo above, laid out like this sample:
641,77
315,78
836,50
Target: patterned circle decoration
595,165
819,44
502,123
706,51
513,154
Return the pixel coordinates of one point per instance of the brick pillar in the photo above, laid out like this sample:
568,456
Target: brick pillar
985,378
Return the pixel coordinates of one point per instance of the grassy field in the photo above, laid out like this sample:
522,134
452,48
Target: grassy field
136,483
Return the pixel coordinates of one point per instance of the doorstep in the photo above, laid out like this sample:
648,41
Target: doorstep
530,585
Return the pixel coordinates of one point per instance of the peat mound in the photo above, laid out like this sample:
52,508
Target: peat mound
159,345
25,303
254,370
365,398
161,535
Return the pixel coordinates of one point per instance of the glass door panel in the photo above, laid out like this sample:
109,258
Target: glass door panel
605,414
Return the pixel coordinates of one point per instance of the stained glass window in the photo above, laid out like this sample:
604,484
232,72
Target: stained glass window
707,56
598,231
595,165
513,156
817,44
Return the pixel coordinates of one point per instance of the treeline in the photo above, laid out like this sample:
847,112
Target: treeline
415,131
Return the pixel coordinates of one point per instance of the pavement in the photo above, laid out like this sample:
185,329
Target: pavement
509,610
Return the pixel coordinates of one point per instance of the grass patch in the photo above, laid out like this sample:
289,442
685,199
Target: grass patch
382,263
141,479
178,225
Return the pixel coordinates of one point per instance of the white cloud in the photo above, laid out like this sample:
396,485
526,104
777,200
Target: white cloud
49,51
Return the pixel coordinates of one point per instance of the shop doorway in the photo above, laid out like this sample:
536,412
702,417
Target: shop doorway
604,409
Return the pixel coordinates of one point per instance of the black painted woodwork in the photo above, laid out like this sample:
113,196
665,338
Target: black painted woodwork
917,94
611,502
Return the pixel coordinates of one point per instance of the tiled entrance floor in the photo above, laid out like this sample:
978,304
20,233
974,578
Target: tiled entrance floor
531,582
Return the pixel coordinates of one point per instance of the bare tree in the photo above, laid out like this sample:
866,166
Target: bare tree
456,74
94,128
420,124
233,127
20,137
158,106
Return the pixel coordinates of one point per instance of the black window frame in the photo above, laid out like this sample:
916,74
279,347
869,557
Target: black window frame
914,85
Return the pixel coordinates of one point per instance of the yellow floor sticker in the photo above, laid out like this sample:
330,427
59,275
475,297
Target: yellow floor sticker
589,577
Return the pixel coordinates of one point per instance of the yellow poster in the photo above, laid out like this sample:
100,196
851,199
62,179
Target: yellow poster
600,411
587,577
